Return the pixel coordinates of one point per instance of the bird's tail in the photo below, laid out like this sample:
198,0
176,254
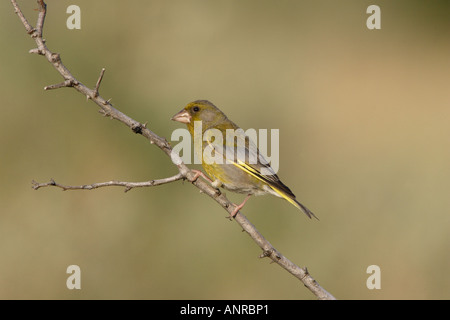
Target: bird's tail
296,203
303,208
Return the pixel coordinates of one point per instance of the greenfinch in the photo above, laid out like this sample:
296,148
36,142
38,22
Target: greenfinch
241,168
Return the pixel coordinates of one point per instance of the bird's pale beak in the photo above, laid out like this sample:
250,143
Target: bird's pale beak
183,116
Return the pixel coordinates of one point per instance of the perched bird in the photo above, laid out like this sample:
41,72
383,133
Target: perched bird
236,172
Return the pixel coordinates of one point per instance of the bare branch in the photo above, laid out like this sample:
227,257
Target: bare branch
107,109
17,10
128,185
41,18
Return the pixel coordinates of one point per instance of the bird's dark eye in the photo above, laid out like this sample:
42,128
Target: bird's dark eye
196,109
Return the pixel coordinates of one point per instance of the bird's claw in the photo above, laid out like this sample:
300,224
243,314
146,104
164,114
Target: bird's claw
198,173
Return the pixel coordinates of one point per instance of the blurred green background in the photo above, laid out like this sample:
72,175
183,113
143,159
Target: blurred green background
364,143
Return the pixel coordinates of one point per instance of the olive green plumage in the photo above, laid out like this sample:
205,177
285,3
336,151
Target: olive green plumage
237,173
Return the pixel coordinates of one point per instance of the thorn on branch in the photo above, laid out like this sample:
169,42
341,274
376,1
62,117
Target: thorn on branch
67,83
97,86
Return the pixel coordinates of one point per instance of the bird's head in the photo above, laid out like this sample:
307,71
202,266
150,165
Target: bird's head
200,110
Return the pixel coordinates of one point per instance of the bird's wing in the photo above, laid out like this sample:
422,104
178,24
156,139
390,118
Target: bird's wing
244,154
